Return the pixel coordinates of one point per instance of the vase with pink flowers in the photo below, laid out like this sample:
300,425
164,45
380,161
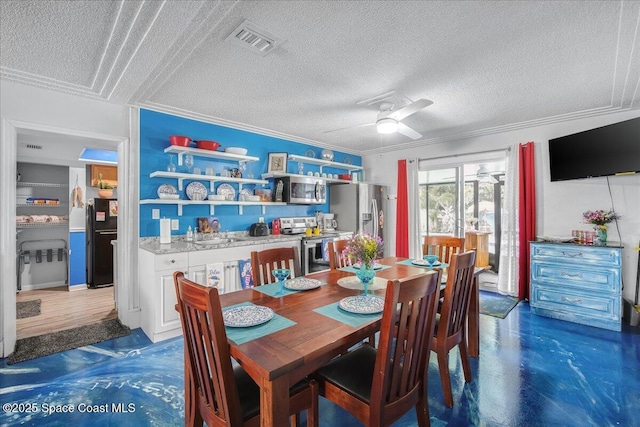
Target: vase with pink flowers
600,219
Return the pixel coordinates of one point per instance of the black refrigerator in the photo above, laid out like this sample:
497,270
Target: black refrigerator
102,228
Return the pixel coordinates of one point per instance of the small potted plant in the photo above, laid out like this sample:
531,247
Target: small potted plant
105,190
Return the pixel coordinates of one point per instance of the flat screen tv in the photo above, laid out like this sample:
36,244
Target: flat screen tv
604,151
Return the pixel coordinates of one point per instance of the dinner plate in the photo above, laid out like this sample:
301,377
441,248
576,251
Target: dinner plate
302,284
227,190
362,304
165,189
247,315
376,266
310,154
196,191
424,263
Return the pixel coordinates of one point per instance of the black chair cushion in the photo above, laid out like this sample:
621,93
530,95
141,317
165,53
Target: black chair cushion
352,372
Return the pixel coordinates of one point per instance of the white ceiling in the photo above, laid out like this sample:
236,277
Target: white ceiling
487,66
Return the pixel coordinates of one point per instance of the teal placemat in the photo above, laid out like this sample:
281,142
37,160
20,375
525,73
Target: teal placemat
408,262
243,335
272,288
351,269
351,319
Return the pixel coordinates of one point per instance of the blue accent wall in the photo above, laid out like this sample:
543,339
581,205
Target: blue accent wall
155,129
77,258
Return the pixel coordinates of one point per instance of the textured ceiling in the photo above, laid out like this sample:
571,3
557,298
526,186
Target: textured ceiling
487,66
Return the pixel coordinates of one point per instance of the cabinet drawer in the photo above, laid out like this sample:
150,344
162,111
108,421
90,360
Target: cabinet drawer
575,254
179,261
601,279
603,307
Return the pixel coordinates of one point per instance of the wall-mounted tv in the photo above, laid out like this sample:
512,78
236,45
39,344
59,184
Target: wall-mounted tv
604,151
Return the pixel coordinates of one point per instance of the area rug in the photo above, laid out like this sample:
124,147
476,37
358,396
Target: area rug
44,345
26,309
496,305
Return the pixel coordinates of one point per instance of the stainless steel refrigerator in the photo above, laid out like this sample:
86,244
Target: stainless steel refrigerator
102,228
360,208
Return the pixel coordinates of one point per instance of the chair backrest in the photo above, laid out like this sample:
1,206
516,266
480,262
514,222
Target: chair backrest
336,260
457,294
402,359
263,262
209,359
443,246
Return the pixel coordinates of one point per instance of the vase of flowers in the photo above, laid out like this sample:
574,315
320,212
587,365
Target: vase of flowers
600,219
364,249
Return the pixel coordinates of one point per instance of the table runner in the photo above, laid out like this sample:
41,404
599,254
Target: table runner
243,335
336,313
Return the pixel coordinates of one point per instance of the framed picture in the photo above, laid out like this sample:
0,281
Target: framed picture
277,162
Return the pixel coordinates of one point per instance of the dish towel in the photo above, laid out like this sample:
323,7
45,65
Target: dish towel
325,249
215,276
246,276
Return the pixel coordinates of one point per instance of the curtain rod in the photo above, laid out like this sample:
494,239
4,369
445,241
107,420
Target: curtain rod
466,154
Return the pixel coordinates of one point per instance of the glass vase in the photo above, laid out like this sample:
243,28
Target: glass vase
366,273
601,232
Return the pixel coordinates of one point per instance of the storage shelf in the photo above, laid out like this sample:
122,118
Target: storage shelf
212,204
210,178
41,184
42,205
328,180
181,151
42,225
322,163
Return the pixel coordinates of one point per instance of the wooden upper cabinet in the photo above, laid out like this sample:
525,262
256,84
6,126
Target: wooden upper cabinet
109,175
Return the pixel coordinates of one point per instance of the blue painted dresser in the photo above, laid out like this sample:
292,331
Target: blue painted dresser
577,283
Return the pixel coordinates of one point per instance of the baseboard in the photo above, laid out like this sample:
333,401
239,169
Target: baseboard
41,286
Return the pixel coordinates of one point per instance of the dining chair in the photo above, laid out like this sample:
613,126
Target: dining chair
452,318
378,386
216,392
443,246
263,262
336,259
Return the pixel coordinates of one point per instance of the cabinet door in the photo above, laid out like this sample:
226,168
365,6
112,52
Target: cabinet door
198,274
168,316
231,276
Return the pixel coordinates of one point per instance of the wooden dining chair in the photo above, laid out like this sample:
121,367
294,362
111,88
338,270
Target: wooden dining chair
380,385
215,391
336,259
443,246
451,321
263,262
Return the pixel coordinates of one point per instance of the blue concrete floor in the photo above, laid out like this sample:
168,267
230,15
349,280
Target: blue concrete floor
532,371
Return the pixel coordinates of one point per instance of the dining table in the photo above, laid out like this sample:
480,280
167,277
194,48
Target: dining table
307,331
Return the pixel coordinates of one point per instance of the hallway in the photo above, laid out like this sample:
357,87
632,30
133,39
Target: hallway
532,371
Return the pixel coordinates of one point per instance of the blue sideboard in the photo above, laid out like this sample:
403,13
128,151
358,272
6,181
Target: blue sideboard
577,283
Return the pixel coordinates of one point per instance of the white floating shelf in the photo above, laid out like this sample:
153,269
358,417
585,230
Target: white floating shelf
181,151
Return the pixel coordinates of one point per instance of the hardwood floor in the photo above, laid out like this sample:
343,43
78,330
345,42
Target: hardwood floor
63,309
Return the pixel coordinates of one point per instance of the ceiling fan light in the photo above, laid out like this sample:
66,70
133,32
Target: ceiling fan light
387,125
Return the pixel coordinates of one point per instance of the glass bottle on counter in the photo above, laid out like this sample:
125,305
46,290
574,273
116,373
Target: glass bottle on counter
189,234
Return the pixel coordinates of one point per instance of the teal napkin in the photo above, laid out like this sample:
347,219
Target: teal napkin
352,319
243,335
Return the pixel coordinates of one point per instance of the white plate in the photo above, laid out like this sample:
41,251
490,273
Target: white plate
362,304
196,191
424,263
310,154
216,197
246,192
376,266
236,150
166,189
302,284
227,191
247,315
166,196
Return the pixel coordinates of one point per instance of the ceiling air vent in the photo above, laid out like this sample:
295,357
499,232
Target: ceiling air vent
33,147
254,38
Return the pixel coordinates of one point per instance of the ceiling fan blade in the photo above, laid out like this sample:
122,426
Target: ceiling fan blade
408,110
349,127
407,131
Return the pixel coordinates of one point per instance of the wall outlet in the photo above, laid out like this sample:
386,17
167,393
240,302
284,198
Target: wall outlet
155,213
261,219
175,224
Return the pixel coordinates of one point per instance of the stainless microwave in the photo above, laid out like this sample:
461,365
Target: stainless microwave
302,190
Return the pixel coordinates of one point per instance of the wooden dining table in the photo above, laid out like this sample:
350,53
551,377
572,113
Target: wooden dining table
280,359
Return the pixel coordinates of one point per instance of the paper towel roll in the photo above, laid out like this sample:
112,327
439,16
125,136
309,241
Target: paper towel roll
165,230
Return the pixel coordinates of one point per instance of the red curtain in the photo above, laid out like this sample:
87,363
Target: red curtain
402,212
527,215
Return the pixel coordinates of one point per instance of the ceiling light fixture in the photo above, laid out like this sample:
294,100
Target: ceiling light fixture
387,125
483,175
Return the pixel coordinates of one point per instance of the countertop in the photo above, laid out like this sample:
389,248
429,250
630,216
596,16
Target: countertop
179,244
608,244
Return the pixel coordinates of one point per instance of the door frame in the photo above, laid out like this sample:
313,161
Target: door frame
8,256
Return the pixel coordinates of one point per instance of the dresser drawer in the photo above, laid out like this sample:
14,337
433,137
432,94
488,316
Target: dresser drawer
575,254
587,277
179,261
577,304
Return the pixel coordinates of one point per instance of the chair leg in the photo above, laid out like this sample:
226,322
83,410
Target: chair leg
312,413
445,380
464,355
422,412
294,420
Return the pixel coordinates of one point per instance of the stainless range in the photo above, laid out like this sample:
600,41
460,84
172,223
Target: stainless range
311,246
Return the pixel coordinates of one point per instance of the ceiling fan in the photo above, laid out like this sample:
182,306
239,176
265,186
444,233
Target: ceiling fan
484,175
389,121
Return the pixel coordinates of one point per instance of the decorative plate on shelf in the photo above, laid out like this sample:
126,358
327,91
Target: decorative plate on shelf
310,154
227,190
376,266
196,191
165,196
347,160
302,284
362,304
167,189
246,192
247,315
